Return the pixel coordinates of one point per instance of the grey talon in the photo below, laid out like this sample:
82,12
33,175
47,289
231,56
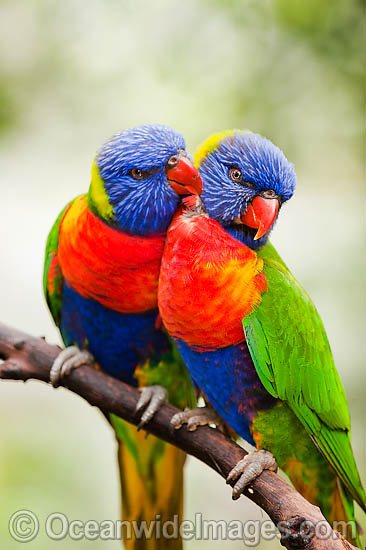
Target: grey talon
200,416
68,359
249,468
151,399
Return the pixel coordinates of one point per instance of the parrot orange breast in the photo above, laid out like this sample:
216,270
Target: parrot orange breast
208,283
119,271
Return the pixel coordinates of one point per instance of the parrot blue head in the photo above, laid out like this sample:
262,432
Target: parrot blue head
137,177
246,179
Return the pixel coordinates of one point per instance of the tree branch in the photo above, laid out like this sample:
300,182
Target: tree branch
26,357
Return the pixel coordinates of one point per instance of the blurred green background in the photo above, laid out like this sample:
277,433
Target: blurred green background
71,74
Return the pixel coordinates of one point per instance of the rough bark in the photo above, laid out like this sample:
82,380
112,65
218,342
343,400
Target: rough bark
26,357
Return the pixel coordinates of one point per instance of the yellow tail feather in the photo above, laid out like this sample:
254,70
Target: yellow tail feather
152,489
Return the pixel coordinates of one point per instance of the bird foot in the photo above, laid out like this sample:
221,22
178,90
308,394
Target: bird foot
249,468
201,416
151,399
70,358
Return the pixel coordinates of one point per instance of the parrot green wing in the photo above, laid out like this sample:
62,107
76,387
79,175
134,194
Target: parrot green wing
52,275
291,353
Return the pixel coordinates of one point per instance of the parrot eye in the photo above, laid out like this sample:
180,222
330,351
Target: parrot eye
235,174
137,174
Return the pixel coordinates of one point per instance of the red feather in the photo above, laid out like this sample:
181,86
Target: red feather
209,281
118,270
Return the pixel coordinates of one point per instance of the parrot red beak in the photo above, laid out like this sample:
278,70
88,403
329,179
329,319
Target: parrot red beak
260,214
184,178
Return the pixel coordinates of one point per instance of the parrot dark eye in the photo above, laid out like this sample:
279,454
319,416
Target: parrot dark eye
235,174
137,174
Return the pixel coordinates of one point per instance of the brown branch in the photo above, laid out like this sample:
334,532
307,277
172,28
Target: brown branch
26,357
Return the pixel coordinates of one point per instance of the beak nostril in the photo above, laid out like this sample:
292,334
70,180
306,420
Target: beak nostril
173,161
269,194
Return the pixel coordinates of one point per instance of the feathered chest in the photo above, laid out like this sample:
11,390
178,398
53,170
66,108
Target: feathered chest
119,271
208,283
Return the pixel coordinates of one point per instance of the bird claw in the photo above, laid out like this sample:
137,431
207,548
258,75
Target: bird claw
249,468
68,359
151,399
200,416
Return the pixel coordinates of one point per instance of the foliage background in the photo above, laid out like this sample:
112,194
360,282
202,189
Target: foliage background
73,73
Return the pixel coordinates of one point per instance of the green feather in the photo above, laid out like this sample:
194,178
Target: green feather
291,353
53,294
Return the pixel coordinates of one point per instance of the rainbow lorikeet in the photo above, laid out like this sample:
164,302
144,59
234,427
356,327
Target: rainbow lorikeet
101,272
247,331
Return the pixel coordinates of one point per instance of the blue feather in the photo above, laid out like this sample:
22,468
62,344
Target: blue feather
231,369
141,207
263,166
118,341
